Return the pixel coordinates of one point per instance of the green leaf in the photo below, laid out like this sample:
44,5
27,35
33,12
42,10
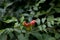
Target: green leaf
8,4
3,37
40,28
18,31
21,37
41,1
57,35
17,25
52,22
47,37
32,13
1,31
57,19
37,14
49,24
27,36
37,35
38,21
10,20
57,10
50,18
51,38
22,19
11,35
2,12
21,27
43,20
35,8
44,27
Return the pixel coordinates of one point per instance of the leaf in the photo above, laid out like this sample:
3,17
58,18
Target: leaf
58,19
41,1
27,36
10,20
40,28
50,18
35,8
11,35
47,37
43,20
57,35
3,37
52,38
30,18
44,27
37,14
16,25
38,21
32,13
2,12
8,4
49,24
22,19
52,22
26,14
21,37
8,30
1,31
37,35
57,10
18,31
19,11
21,27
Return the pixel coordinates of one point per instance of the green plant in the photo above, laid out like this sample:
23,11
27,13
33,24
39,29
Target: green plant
17,18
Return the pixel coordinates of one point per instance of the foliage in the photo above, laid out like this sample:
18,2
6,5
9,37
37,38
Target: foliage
14,12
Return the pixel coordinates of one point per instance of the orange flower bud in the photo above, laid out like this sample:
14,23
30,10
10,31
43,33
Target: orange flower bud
26,24
33,22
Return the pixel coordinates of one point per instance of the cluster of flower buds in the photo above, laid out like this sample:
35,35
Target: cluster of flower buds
32,23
